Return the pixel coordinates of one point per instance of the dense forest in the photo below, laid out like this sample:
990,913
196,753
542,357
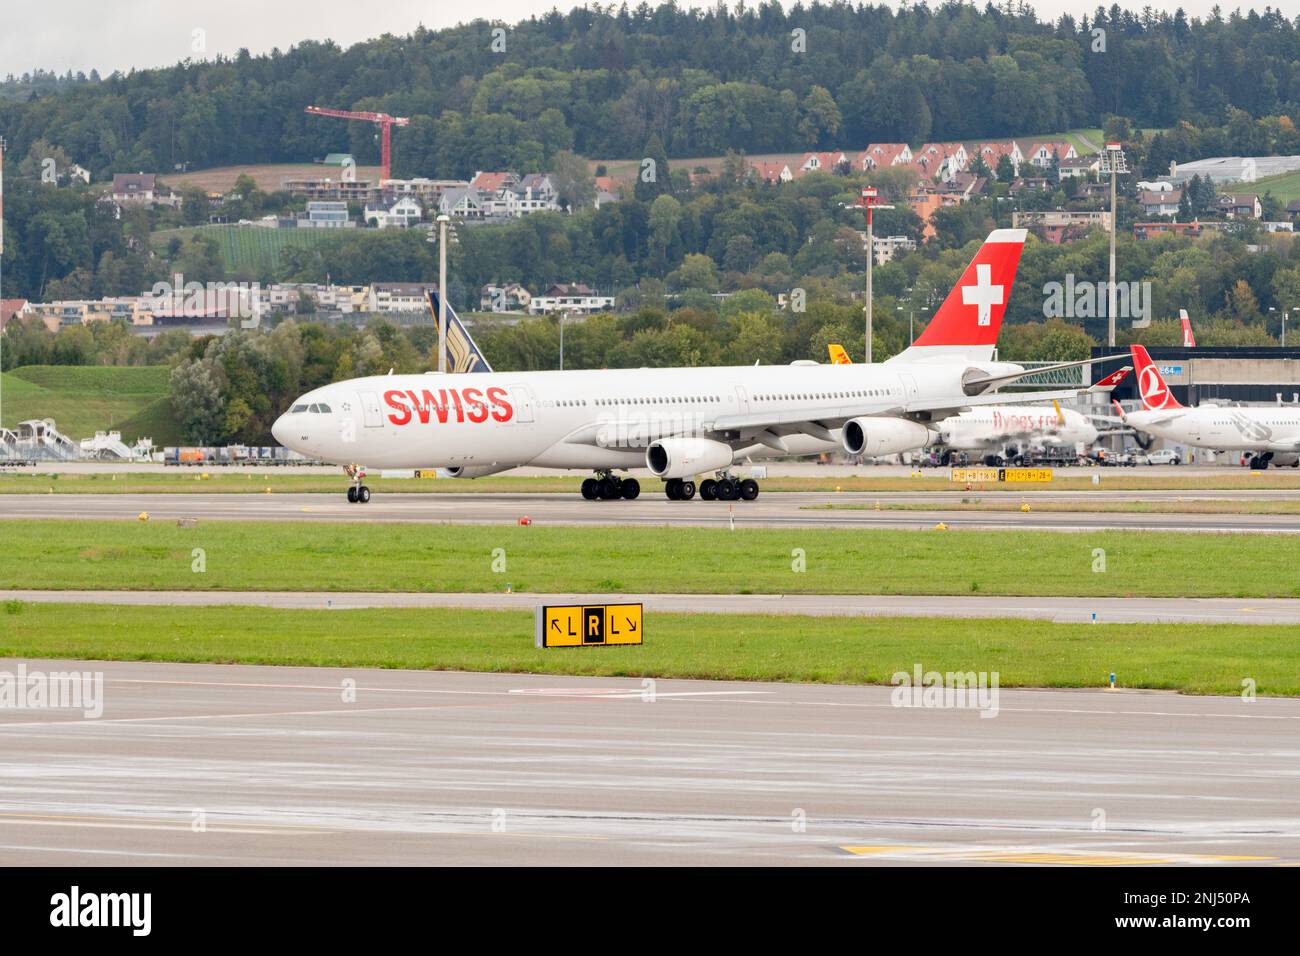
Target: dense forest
600,80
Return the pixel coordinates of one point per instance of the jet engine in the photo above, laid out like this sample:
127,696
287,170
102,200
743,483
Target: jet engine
684,457
872,437
477,471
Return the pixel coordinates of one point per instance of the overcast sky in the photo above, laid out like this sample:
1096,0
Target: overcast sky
120,34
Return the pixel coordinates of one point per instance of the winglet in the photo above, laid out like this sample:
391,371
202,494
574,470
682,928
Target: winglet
1110,381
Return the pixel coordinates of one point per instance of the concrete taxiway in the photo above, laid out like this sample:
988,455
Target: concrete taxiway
773,510
1063,610
224,765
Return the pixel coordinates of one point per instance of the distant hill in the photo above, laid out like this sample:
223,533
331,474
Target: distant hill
84,399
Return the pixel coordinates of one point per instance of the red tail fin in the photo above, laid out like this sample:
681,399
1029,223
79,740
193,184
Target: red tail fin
1189,340
1113,379
1151,384
969,319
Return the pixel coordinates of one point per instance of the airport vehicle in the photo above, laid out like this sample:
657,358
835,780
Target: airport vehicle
675,422
1272,433
1163,456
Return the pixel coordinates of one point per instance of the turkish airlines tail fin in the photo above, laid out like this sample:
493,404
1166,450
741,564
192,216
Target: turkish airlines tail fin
463,354
966,325
1151,384
838,355
1189,340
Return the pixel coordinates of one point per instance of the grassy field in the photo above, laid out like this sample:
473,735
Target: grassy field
444,558
329,480
83,399
1203,659
248,248
1284,187
1010,503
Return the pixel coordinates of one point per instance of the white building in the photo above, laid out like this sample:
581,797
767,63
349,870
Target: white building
574,298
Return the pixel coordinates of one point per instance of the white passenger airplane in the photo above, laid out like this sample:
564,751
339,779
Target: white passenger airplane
1272,433
1009,432
675,422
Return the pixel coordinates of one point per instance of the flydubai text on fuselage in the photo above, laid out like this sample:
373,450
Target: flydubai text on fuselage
677,422
1273,433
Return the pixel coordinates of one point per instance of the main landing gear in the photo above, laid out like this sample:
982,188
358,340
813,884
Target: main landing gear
607,486
358,493
1261,461
723,488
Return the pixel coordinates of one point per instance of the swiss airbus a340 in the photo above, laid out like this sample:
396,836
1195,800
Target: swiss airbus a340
676,423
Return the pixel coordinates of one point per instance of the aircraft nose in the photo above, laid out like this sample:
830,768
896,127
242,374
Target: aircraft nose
279,430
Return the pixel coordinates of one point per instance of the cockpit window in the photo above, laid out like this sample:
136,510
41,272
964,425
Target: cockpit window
323,408
297,409
315,409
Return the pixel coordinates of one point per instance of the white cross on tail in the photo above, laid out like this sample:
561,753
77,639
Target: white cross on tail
983,293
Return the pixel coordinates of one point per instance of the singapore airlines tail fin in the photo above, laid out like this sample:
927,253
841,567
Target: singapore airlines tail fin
966,326
463,354
1189,340
1155,393
838,355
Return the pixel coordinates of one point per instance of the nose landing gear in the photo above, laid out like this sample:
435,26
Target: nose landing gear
358,493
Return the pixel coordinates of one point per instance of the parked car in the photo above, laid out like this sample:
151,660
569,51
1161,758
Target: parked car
1163,456
1121,459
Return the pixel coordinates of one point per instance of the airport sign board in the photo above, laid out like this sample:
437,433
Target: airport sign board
589,625
1008,475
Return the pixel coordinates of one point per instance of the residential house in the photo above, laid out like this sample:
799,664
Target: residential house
325,214
1160,202
504,298
887,247
1293,208
944,160
771,172
822,163
1081,167
1193,229
926,198
400,296
1061,225
360,191
536,192
402,214
573,298
462,203
1040,154
1023,184
141,189
1239,206
992,154
880,155
607,190
12,309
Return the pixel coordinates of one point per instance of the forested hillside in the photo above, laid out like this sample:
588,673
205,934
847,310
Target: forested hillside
599,81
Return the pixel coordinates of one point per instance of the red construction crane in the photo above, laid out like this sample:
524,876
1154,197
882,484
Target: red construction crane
382,120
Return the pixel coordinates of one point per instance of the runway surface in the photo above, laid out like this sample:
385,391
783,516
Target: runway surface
789,509
223,765
1065,610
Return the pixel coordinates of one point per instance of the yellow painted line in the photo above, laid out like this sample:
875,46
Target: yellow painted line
870,850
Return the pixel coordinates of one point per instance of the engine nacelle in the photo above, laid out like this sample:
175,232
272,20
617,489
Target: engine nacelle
477,471
872,437
684,457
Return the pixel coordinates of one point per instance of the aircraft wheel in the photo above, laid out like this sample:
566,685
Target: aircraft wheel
631,488
749,489
363,494
591,489
609,489
728,490
708,490
687,491
673,488
352,494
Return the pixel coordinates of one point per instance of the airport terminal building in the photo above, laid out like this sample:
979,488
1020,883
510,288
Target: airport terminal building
1253,375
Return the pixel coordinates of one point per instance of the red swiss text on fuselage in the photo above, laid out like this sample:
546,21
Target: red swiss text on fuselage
447,405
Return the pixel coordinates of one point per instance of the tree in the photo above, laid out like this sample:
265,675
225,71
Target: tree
653,174
576,187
